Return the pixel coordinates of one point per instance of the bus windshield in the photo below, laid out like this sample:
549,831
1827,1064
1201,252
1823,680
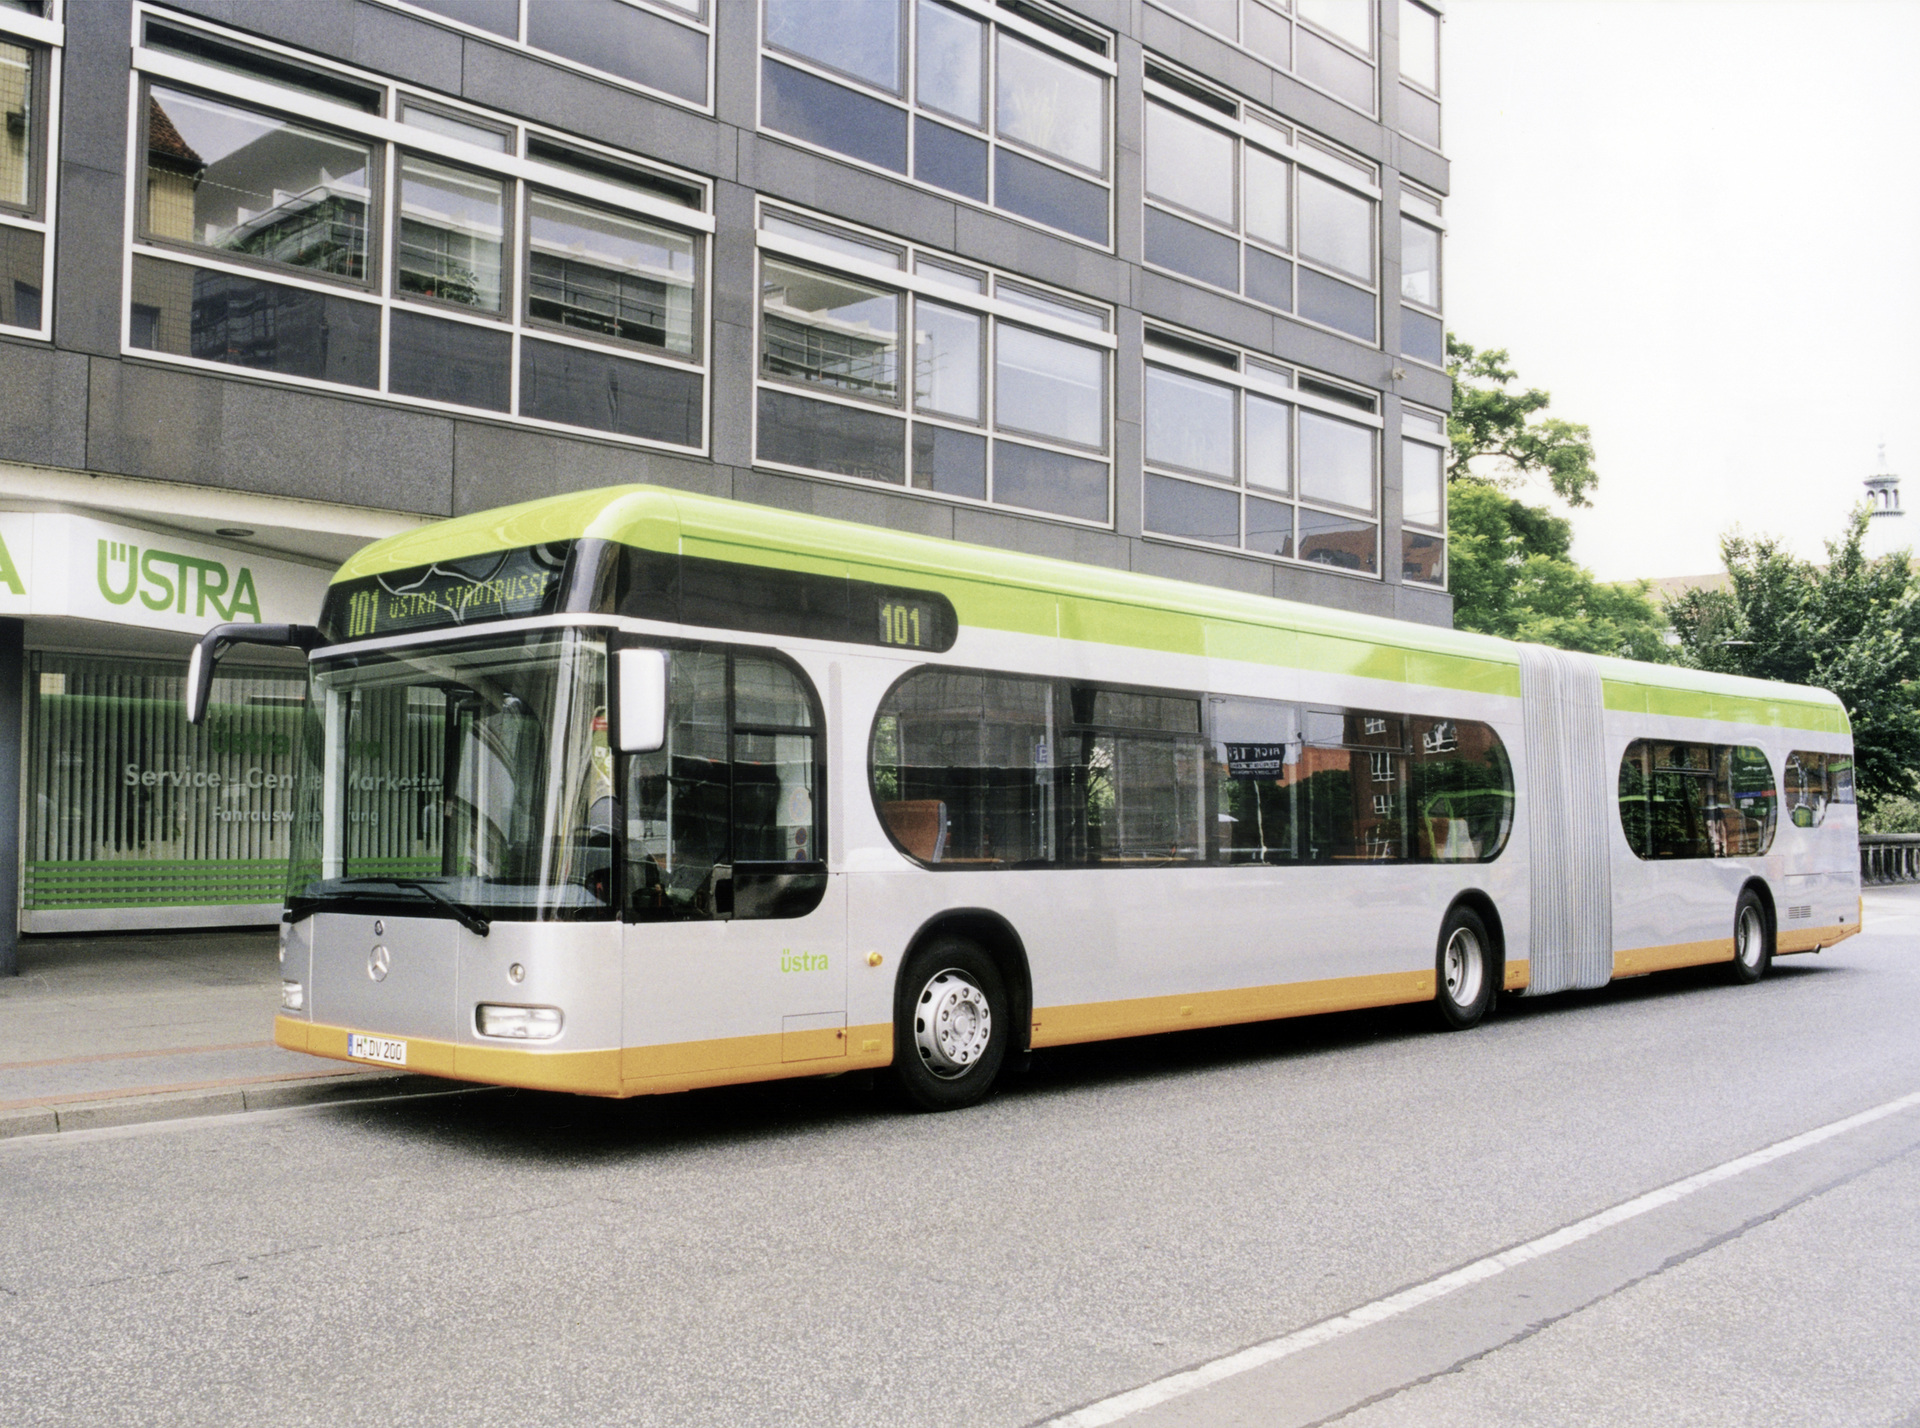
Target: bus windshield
472,781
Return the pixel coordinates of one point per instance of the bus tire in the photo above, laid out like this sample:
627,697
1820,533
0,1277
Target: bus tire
952,1025
1464,979
1752,941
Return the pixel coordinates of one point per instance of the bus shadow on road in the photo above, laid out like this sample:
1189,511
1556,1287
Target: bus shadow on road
554,1128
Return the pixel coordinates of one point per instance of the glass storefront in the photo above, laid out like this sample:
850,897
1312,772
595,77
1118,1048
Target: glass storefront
130,808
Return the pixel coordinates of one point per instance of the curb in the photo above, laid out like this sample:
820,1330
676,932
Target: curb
135,1110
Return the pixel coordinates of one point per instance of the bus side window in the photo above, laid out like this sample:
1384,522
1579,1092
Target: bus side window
719,817
1813,783
1256,757
1460,790
1134,778
1696,800
962,768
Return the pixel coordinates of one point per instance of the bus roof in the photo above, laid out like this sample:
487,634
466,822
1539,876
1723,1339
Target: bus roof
1038,595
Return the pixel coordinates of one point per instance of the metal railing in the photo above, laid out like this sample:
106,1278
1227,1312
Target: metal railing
1890,857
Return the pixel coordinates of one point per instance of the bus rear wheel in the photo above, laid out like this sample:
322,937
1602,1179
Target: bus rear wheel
1464,981
1752,945
951,1026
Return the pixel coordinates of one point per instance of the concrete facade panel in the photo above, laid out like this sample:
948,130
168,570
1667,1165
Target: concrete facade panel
500,465
86,271
93,110
1185,562
166,425
43,405
781,170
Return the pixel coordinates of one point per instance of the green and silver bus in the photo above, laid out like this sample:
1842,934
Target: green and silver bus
634,791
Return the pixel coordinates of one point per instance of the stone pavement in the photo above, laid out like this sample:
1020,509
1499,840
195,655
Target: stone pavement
112,1029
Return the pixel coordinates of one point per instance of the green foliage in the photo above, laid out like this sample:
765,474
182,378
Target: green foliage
1495,426
1897,813
1512,576
1510,565
1853,628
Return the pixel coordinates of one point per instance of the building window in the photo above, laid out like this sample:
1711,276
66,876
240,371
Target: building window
1239,200
1423,500
887,363
1420,73
29,75
657,45
1327,43
454,257
1006,106
1243,453
1423,334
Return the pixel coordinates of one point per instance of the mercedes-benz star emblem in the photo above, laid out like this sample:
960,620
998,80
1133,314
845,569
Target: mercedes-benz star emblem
378,961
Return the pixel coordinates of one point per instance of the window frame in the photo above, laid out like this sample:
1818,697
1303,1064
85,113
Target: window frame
1280,141
998,21
1420,87
44,38
1439,441
911,284
703,25
1424,209
518,168
1258,374
1285,12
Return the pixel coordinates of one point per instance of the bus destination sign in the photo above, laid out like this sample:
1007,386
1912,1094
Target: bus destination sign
448,594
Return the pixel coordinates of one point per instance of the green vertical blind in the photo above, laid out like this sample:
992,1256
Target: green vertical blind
129,806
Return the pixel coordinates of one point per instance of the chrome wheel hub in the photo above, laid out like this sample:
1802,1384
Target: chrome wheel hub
1462,967
952,1024
1749,937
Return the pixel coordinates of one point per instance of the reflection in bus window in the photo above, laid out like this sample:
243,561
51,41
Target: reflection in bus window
1696,800
1812,782
1256,807
724,820
1134,778
963,768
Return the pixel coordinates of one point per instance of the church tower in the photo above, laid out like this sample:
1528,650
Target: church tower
1885,534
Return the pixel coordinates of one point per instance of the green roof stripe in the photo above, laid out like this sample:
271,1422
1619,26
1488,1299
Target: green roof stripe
1034,595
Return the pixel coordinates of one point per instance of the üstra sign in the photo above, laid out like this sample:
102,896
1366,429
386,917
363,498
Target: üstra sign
54,563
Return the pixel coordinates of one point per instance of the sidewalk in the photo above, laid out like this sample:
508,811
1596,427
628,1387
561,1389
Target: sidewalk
110,1030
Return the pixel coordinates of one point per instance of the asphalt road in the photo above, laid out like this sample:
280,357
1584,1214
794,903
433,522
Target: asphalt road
796,1254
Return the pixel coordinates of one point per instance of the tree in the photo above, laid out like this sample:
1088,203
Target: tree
1853,628
1511,569
1512,576
1494,426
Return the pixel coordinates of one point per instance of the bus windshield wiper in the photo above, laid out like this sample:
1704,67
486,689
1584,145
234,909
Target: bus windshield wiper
474,922
478,925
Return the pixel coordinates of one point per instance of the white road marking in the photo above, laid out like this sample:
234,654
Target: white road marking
1136,1400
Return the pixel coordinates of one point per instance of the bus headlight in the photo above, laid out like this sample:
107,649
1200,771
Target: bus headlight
517,1023
293,997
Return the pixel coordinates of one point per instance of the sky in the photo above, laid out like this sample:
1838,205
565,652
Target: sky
1697,224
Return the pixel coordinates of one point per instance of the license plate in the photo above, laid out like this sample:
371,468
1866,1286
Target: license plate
377,1048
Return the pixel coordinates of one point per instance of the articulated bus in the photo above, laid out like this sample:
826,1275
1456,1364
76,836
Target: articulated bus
634,791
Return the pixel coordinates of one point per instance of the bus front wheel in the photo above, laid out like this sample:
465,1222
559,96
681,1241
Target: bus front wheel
951,1027
1752,947
1464,980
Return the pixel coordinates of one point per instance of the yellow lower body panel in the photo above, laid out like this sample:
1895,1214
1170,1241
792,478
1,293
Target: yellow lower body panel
1638,960
1810,939
1144,1016
635,1071
589,1073
731,1060
1519,976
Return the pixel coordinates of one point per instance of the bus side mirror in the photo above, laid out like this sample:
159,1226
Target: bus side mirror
643,701
221,638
